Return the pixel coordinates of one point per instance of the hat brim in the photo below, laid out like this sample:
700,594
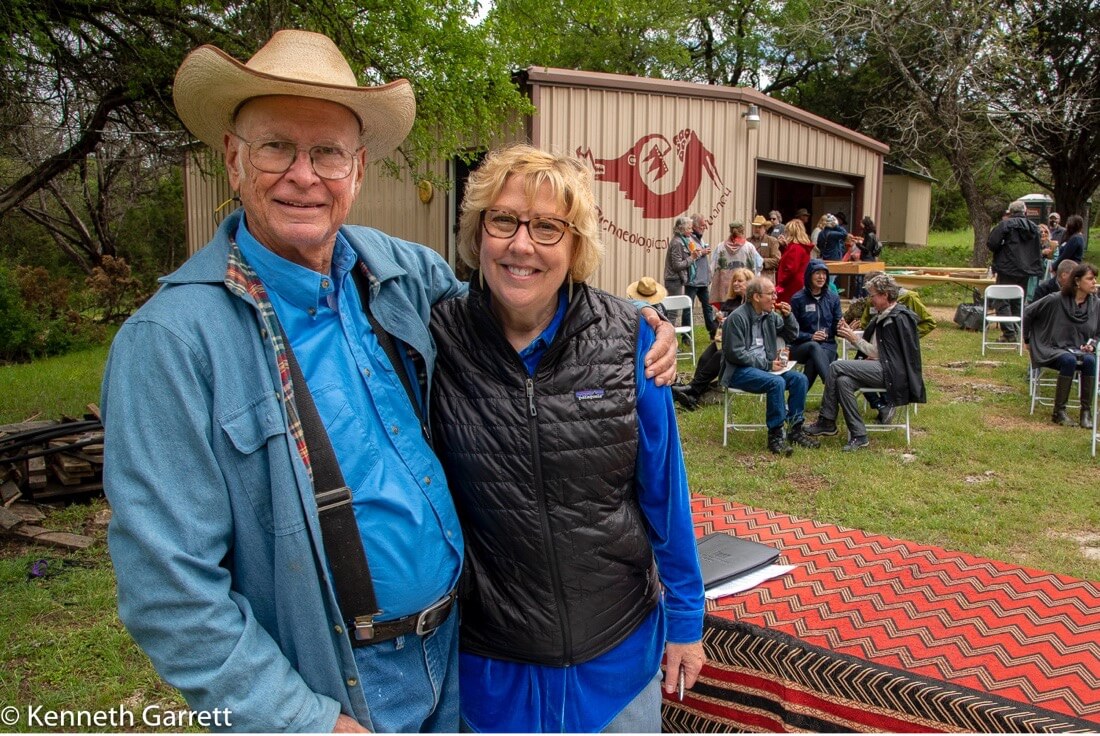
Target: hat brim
211,86
655,298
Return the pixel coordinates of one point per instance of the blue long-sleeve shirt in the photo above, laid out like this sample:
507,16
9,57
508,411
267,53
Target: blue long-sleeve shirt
499,695
407,521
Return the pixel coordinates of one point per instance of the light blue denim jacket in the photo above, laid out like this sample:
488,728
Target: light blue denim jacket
214,532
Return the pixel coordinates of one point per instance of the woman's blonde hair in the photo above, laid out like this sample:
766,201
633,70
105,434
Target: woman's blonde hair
739,274
570,183
796,232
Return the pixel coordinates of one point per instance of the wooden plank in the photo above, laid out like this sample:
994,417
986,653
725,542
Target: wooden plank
40,535
9,492
27,512
93,409
9,520
54,492
36,472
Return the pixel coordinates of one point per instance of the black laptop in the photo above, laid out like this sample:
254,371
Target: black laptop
724,557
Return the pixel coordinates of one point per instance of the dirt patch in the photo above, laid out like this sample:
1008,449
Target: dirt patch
1030,423
810,482
1088,542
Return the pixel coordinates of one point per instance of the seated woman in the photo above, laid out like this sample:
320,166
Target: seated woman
565,464
1061,331
817,309
710,362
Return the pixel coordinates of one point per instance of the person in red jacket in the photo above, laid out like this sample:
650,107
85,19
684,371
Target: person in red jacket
793,262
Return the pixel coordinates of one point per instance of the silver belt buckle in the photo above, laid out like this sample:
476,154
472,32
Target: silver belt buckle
422,618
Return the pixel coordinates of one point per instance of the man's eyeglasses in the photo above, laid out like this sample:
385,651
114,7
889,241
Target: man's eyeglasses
542,230
275,157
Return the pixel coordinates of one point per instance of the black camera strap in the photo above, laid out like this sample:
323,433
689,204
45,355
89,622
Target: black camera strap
339,532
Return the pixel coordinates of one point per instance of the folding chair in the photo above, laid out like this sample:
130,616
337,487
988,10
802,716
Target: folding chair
1002,292
875,427
728,394
1095,393
671,305
731,423
1043,378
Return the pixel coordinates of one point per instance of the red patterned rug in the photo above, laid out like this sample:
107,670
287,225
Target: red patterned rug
871,633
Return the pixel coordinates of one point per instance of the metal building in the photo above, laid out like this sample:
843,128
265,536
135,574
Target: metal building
658,149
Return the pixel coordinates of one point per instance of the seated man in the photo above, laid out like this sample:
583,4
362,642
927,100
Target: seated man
750,346
892,361
1055,283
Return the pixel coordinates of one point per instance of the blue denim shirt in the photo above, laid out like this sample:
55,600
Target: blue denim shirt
214,535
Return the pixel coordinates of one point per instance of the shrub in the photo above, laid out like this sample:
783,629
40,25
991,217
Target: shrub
113,290
35,317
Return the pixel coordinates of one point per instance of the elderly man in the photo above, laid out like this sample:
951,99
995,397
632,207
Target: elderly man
892,362
767,246
1017,258
755,364
291,350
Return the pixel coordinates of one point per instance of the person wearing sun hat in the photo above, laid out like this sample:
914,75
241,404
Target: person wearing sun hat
646,292
224,578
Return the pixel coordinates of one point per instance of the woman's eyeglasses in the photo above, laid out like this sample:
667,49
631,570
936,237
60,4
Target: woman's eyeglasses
542,230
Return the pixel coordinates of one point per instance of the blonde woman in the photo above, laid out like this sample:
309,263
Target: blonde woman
565,465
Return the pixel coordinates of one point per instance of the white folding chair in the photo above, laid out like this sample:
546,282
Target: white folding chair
671,305
730,422
1002,292
1095,393
904,424
1043,378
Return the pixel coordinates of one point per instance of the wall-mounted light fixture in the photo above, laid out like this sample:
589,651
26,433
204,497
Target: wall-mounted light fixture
752,117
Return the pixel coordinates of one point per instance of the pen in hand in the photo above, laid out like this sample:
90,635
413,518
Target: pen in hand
681,686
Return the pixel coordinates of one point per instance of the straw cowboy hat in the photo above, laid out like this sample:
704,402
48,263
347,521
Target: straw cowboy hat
759,220
646,289
211,86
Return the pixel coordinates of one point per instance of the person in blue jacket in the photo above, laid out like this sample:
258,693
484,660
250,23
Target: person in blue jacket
830,242
817,309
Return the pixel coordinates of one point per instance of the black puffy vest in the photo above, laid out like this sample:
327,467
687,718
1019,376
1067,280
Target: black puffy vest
558,566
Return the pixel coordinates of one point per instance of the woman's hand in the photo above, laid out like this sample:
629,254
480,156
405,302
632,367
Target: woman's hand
660,361
686,658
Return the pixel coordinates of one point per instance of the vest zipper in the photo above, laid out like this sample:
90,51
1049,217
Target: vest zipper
547,535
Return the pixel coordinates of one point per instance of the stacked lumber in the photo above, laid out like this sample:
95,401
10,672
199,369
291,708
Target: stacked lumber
52,460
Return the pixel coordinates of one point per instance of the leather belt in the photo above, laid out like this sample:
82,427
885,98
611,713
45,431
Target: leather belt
365,631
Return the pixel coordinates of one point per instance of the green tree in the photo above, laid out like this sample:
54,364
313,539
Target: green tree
927,66
85,92
1048,101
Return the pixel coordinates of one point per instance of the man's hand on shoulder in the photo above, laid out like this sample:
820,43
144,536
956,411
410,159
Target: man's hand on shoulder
660,361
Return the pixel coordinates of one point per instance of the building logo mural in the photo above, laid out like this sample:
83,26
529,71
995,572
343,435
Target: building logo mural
660,178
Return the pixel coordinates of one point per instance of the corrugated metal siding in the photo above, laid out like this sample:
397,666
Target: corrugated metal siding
607,122
906,204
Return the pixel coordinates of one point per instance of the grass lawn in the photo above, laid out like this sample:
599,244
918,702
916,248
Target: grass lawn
982,476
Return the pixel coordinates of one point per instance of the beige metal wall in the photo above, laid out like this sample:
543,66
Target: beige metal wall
389,204
906,208
602,116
